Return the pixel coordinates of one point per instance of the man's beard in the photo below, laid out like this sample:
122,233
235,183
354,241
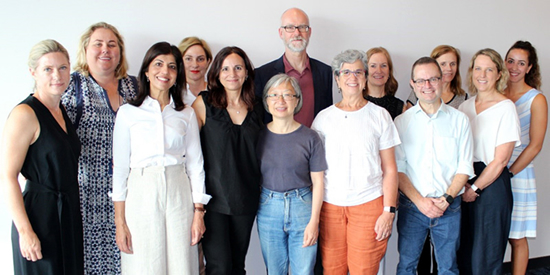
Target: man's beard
301,47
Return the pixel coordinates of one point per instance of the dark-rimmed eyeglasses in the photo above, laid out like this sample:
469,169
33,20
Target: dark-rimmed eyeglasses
358,73
422,82
292,28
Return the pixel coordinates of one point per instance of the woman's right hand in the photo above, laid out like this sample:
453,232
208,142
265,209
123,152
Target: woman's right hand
30,246
124,238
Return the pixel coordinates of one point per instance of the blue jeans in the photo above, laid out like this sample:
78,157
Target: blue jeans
413,227
282,219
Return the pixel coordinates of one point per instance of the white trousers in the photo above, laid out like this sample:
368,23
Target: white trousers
159,214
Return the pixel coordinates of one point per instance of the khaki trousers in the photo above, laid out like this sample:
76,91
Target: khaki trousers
159,214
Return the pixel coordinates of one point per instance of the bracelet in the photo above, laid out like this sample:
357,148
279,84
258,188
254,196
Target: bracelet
200,209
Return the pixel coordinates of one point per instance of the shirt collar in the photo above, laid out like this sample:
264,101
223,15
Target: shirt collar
289,68
149,101
442,108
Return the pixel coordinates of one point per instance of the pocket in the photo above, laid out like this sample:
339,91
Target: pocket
455,207
264,198
306,198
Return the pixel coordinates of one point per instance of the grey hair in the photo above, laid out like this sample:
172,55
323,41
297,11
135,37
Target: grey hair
348,56
278,80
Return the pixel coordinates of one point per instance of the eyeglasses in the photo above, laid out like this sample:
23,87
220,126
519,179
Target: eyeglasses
292,28
358,73
422,82
275,97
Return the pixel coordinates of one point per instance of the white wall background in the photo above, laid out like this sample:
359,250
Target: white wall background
408,29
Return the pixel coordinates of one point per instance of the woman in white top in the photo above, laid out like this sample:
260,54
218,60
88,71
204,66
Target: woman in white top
158,172
361,180
196,60
487,199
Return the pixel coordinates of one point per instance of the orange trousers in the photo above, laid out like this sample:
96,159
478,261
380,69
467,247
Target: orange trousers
348,239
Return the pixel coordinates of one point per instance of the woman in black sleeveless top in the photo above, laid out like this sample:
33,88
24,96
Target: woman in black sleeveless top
40,143
230,120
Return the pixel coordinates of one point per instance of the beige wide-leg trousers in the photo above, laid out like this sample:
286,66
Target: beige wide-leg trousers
159,214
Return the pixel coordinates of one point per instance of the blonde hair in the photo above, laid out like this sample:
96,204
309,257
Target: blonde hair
42,48
45,47
81,62
501,68
456,83
191,41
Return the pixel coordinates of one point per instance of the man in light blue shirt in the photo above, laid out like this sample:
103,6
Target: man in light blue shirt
434,162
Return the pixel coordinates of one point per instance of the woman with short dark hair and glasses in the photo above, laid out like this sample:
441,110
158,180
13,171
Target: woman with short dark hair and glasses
292,160
361,180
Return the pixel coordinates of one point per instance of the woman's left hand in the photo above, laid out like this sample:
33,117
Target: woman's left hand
383,226
197,228
310,234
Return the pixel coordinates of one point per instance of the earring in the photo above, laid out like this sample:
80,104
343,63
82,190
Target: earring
147,78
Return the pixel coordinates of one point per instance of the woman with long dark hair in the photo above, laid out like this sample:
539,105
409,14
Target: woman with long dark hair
158,184
230,121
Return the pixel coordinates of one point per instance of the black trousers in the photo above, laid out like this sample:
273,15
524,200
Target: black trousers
486,226
225,243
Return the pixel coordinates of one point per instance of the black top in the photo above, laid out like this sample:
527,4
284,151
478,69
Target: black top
391,103
322,82
232,170
51,197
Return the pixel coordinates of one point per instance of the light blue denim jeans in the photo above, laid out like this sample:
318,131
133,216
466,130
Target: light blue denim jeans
282,219
413,227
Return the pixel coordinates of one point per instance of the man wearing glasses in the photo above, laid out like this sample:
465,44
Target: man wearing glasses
434,162
314,77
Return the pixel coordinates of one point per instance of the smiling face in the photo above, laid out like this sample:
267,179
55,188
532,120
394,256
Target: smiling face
52,74
351,85
517,63
448,64
162,73
426,93
485,74
233,73
103,52
278,106
295,41
195,63
379,70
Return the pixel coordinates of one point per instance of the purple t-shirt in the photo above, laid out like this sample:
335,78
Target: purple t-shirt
286,160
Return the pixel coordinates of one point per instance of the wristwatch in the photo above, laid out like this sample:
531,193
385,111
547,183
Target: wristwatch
390,209
476,189
449,198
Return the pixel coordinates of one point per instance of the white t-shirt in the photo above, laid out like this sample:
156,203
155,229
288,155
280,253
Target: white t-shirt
353,141
494,126
145,136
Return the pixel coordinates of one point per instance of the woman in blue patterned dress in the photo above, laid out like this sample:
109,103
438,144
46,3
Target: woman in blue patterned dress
98,87
523,85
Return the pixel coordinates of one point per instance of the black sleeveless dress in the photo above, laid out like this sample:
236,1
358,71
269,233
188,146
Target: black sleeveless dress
51,197
230,164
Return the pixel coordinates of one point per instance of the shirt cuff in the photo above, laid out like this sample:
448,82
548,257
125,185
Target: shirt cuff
201,198
119,196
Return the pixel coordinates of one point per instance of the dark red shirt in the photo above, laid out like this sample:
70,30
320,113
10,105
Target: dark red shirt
305,80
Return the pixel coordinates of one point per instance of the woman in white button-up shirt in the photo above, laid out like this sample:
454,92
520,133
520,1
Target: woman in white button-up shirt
158,172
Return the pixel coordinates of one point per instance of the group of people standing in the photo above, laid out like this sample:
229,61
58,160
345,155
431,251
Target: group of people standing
181,160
